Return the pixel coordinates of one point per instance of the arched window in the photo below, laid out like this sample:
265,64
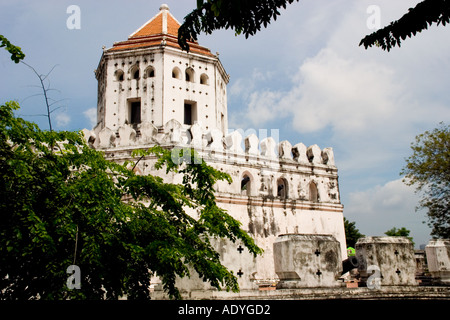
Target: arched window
150,72
190,74
282,188
176,73
313,192
136,74
245,185
204,79
119,75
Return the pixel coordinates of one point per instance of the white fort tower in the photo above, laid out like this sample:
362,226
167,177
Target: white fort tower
148,79
151,92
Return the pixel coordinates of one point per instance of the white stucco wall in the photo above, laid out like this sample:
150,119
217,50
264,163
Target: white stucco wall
162,96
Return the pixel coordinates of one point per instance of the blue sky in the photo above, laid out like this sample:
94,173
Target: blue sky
304,75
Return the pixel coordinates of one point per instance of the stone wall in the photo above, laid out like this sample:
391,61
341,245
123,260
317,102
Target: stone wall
438,259
277,188
307,260
386,260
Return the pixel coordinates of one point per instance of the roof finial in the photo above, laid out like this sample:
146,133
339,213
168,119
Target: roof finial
164,12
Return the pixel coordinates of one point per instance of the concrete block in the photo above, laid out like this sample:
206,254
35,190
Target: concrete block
251,144
233,142
307,261
88,136
314,154
173,132
328,156
268,148
148,132
392,257
438,259
215,139
196,133
299,152
285,150
127,135
107,138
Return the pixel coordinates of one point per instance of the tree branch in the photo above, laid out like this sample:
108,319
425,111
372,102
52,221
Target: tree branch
414,21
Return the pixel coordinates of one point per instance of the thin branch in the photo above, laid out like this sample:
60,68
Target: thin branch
41,79
49,72
138,162
33,95
53,89
32,115
56,101
76,245
57,109
32,86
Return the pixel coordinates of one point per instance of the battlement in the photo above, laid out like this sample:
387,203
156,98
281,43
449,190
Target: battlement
175,134
259,167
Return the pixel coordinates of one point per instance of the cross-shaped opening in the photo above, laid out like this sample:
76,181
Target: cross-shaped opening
240,273
318,272
240,249
317,252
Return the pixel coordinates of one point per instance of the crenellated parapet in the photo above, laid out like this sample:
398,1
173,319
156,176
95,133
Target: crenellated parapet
259,167
175,134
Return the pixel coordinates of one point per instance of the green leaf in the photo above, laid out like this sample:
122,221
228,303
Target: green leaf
16,52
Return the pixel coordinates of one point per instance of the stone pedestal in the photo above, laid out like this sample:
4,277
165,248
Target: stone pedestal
390,259
307,260
438,259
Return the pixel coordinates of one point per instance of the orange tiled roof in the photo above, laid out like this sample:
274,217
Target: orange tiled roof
154,26
162,27
172,25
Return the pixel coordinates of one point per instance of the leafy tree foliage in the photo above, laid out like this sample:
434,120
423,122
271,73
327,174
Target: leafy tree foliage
248,16
16,52
352,234
244,16
65,205
417,19
402,232
428,169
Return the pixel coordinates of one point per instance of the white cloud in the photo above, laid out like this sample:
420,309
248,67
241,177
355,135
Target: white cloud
242,86
91,115
260,103
340,92
383,207
62,119
371,103
350,89
260,106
